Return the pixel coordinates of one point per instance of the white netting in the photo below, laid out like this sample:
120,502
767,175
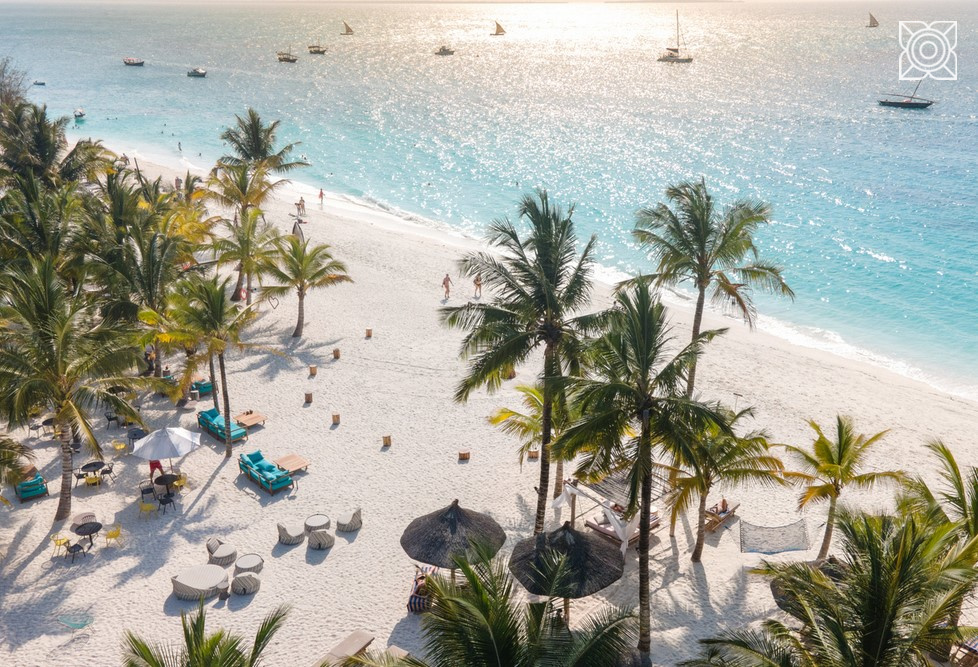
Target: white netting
773,539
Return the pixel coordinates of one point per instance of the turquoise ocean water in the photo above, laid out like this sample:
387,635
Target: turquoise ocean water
876,210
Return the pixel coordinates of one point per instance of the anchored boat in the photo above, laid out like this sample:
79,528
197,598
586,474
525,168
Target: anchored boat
673,55
445,51
197,73
898,101
286,56
133,62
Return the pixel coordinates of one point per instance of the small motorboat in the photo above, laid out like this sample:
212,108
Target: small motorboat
38,83
133,62
197,73
79,114
287,57
445,51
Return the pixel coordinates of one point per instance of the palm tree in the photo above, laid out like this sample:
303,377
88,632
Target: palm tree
696,242
250,244
253,144
634,389
716,455
480,622
188,217
57,355
40,220
241,188
200,649
831,466
202,309
537,284
888,605
955,504
299,267
13,83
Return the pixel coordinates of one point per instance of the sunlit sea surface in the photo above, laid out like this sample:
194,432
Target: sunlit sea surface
876,210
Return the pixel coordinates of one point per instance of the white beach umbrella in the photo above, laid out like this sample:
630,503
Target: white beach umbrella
166,443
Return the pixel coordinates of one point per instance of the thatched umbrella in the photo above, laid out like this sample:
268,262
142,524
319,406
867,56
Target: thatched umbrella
591,563
449,533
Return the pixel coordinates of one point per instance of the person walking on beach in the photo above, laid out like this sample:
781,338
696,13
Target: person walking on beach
302,205
321,195
298,209
478,286
447,284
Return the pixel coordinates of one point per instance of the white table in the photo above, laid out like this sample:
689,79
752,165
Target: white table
249,563
317,522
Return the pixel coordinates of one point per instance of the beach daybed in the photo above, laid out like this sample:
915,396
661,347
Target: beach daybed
291,534
602,527
220,553
263,472
202,387
354,644
35,487
212,421
200,581
350,522
717,515
419,601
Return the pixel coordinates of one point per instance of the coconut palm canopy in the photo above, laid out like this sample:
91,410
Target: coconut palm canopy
452,532
590,563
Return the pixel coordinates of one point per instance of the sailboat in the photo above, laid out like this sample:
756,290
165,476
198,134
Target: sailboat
904,102
347,30
445,51
286,56
317,49
672,55
499,31
873,23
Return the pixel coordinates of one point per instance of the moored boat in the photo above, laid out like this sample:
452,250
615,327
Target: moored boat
347,30
286,56
899,101
197,73
499,31
79,114
133,62
317,49
38,82
672,54
445,51
873,23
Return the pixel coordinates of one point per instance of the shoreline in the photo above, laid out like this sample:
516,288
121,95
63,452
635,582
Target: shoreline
819,339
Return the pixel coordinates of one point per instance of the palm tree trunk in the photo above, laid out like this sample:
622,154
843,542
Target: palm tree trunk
227,407
558,478
64,501
549,371
158,371
302,315
238,284
214,391
697,323
829,526
644,535
700,530
248,287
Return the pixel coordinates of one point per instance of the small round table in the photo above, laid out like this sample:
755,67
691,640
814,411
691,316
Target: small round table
93,466
136,434
167,480
317,522
248,563
89,529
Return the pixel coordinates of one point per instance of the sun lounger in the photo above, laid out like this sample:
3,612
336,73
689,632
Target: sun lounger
264,473
716,517
419,601
607,531
35,487
249,419
212,422
202,387
354,644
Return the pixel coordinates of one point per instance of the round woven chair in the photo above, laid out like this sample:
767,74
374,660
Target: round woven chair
220,553
291,535
351,522
246,583
321,539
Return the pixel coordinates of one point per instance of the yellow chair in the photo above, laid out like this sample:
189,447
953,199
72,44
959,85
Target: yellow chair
4,501
146,508
93,480
114,533
119,447
60,542
181,482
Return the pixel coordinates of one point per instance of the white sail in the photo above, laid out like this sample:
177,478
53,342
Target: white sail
347,30
499,29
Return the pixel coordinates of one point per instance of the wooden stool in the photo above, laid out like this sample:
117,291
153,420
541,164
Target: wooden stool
336,420
308,397
370,333
313,370
463,455
533,454
336,353
387,441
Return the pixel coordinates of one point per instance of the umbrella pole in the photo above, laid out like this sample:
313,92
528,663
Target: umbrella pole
567,612
573,509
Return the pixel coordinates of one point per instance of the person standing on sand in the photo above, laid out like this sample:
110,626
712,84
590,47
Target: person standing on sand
321,195
447,284
478,286
298,209
302,205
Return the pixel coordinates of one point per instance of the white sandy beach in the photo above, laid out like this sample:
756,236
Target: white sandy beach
400,383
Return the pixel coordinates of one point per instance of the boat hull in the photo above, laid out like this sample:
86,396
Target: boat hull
667,59
905,105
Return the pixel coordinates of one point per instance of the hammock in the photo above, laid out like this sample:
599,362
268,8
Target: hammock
773,539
